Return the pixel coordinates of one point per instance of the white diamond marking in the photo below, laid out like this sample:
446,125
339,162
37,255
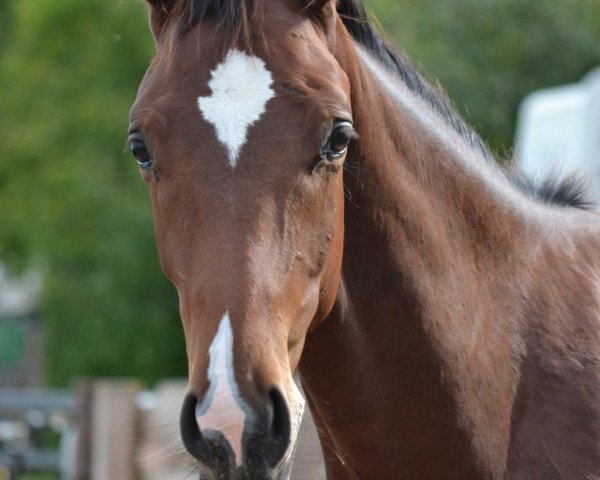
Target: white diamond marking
241,88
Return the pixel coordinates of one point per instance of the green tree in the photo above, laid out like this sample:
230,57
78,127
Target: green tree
71,200
489,54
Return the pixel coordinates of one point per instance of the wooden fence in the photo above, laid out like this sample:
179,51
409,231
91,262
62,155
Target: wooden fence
118,431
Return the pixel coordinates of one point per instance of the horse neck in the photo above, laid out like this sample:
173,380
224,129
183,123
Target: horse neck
428,219
436,199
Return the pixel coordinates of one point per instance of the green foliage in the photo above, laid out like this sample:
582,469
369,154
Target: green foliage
72,202
488,54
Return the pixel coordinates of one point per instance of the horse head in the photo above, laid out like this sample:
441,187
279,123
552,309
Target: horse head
240,128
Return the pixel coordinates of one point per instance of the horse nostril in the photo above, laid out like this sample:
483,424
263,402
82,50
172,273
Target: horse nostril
278,433
265,447
190,432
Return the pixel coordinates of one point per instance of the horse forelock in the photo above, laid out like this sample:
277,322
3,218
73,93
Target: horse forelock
239,20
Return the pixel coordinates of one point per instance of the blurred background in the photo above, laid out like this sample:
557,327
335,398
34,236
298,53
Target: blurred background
81,292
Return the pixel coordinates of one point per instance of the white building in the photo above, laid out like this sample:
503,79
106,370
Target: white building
558,131
20,333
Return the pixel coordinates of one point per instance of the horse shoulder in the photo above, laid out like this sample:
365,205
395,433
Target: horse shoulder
555,419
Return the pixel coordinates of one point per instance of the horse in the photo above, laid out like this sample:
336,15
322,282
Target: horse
322,208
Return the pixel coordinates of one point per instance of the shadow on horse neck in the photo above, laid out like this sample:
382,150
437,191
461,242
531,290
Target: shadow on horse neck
320,207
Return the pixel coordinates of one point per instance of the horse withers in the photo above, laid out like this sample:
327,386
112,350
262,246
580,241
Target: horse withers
320,207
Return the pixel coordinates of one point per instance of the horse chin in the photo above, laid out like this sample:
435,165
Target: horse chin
286,469
282,473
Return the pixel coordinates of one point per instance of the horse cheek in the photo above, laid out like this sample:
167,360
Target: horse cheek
331,277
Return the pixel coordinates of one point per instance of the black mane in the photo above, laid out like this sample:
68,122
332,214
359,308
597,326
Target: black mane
563,191
356,20
236,16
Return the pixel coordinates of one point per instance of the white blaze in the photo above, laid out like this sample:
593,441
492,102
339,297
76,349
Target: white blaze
241,88
222,409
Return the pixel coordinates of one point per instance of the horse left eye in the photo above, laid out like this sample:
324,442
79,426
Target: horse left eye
335,147
339,139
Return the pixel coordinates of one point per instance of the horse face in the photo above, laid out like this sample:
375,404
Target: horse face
242,151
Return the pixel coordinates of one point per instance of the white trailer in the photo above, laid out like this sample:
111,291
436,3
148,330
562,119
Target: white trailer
558,131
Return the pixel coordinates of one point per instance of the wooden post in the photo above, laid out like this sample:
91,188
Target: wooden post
161,453
83,417
114,430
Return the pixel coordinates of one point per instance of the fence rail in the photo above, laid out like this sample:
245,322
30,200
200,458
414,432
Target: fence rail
33,460
117,431
39,399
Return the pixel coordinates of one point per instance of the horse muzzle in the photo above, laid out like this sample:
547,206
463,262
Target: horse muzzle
233,441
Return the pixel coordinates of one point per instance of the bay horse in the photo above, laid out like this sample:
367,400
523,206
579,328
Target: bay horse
320,207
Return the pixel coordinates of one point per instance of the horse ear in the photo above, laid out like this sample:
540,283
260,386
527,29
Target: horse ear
160,11
324,10
317,4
